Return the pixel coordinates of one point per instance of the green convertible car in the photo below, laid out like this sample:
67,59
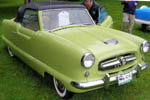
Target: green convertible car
61,40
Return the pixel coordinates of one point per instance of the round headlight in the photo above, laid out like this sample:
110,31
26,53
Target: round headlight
145,46
88,60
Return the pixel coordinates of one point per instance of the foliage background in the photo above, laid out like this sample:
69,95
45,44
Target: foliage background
19,82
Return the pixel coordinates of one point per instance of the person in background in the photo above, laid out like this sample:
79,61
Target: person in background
93,8
129,14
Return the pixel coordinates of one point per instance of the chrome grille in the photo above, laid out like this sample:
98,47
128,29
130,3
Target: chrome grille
116,61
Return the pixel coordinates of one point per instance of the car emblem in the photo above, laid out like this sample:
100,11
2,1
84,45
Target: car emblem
123,60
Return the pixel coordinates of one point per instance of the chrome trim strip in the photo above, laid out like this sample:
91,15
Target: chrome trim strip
130,59
84,85
128,56
112,60
112,64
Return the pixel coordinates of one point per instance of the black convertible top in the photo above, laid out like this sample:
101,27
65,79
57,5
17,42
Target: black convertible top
43,5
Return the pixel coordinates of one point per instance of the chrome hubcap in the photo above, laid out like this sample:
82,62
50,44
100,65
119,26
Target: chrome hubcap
60,86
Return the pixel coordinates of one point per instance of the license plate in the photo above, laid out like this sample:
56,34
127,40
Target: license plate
124,78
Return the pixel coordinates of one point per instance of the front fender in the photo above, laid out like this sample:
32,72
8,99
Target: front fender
62,55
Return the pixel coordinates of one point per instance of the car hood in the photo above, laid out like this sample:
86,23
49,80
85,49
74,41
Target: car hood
93,39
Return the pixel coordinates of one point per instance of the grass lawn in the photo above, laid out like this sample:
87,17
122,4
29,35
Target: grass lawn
19,82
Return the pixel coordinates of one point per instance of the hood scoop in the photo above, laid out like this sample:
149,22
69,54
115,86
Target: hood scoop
111,42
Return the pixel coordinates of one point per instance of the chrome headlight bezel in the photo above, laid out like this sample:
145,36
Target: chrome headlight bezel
88,60
145,46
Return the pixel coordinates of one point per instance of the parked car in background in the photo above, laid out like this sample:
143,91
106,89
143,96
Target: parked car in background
104,18
143,17
61,40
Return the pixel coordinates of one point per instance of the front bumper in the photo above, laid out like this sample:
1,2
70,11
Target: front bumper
107,79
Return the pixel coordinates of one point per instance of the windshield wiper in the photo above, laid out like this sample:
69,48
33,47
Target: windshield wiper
72,24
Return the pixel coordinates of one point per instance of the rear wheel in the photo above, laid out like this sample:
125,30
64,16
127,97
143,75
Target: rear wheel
144,27
10,51
61,90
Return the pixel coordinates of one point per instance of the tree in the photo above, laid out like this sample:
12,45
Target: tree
27,1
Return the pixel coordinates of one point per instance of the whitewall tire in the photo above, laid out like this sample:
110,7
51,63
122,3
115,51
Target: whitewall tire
61,90
10,51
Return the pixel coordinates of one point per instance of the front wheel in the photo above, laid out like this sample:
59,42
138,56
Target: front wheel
61,90
10,51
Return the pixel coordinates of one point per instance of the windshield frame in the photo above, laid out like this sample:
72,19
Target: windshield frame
74,25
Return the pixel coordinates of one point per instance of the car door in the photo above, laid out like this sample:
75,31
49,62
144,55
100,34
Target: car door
27,30
27,37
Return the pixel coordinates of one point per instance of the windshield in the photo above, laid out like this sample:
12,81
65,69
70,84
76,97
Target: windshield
56,18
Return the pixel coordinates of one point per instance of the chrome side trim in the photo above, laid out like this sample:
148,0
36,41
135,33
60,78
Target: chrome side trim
85,85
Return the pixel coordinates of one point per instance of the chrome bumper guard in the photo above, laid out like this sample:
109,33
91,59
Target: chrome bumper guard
107,79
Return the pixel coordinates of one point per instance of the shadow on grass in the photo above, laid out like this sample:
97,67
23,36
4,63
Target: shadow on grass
140,29
114,92
42,81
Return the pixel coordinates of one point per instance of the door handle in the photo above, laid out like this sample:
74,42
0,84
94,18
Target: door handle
14,32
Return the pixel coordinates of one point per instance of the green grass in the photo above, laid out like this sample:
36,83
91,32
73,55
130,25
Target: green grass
19,82
10,3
